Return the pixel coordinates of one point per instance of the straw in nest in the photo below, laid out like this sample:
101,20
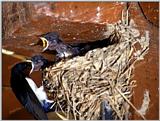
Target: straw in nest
78,86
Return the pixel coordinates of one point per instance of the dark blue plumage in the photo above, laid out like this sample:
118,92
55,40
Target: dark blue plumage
106,111
52,42
25,89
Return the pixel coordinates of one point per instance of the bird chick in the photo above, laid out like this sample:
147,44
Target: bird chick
51,41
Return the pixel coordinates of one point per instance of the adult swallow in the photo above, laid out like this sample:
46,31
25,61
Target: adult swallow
34,99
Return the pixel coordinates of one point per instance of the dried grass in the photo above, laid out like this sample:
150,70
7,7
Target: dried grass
79,85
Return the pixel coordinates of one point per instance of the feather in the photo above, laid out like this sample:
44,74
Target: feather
24,92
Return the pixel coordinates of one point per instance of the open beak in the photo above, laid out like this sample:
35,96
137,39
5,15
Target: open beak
45,43
32,65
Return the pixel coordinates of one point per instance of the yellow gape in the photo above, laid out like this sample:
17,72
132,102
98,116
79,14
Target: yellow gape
44,40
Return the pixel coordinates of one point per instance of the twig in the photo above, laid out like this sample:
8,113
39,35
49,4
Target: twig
62,117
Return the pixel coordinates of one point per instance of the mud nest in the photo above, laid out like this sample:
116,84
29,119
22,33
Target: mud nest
78,86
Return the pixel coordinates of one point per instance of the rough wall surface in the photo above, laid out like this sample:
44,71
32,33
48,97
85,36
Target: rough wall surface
75,22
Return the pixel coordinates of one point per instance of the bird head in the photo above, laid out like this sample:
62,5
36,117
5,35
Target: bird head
38,63
50,41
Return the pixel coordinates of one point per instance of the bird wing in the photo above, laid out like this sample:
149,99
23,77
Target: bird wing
34,106
26,96
31,103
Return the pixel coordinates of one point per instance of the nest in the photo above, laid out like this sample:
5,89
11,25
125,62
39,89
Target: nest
80,85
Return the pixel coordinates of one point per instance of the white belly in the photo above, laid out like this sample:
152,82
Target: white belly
39,92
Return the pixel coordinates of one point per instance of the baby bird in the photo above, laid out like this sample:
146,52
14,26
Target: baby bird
51,41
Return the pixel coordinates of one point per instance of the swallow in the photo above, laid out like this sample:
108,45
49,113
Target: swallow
51,41
34,99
